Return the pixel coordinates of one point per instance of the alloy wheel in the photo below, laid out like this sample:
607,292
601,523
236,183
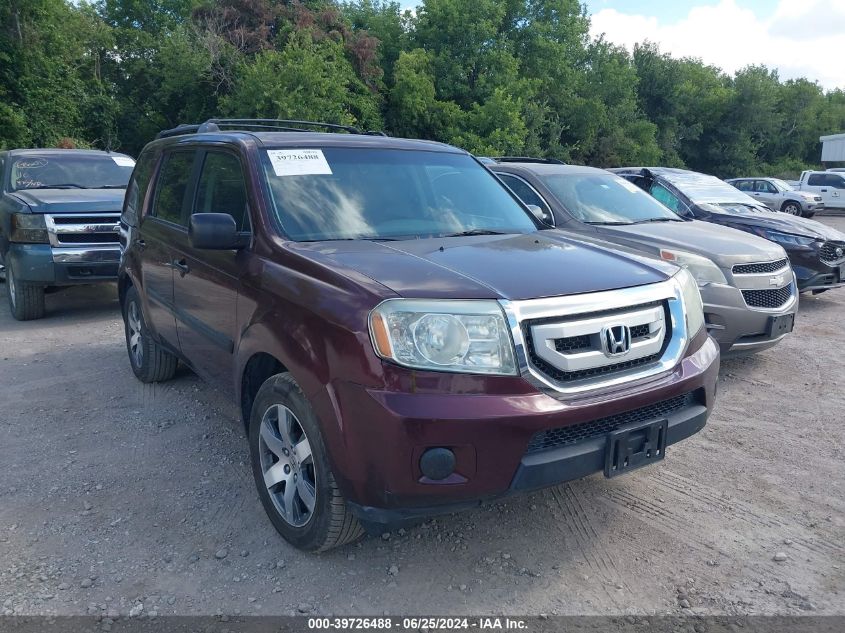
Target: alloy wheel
792,209
287,465
136,348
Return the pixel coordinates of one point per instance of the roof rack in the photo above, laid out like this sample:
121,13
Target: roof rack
528,159
259,125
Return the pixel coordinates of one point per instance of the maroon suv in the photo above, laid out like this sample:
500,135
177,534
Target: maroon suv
403,336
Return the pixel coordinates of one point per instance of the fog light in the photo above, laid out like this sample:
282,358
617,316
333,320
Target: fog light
437,463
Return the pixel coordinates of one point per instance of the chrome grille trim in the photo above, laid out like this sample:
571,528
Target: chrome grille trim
82,229
545,336
667,294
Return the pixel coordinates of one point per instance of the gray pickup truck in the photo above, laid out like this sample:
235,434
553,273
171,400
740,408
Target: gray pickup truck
59,213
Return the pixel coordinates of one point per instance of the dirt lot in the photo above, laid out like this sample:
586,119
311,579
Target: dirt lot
115,495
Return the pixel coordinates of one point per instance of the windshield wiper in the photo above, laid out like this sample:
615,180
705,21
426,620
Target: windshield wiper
110,187
474,232
611,223
657,220
353,239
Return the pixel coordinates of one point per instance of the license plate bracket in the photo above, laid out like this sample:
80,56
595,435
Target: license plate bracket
780,325
632,447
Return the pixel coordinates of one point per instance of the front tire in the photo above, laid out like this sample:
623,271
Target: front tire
26,301
792,208
292,472
150,361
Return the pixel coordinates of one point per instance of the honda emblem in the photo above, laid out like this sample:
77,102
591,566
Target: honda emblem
616,340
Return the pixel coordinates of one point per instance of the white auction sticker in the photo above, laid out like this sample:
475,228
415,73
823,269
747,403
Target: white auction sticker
123,161
299,162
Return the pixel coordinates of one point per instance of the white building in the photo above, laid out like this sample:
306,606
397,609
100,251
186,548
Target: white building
833,148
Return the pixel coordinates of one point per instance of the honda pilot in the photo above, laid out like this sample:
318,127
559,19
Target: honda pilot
373,307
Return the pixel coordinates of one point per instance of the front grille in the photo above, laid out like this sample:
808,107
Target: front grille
639,331
555,438
573,344
774,298
87,238
590,343
828,252
759,268
81,229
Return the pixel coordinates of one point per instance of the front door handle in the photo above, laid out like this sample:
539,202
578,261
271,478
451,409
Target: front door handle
182,266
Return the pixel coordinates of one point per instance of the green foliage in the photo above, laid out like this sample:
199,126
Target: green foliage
492,76
305,80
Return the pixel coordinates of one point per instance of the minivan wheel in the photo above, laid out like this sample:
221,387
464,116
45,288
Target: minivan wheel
292,471
26,301
150,361
792,208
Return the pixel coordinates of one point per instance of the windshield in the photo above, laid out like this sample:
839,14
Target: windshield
606,199
782,185
353,193
70,171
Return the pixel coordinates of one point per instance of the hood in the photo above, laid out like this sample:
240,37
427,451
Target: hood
782,222
72,200
724,245
515,267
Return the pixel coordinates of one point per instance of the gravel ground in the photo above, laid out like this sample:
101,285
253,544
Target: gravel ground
119,498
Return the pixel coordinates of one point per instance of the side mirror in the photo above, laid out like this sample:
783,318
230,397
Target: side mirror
214,231
544,216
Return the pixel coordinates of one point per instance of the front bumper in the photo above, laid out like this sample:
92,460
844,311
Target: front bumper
812,272
386,432
735,326
63,266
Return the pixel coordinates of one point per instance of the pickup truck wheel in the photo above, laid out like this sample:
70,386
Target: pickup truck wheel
792,208
150,361
292,472
26,301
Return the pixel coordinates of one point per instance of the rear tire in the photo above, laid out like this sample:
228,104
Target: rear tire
26,301
792,208
150,361
292,472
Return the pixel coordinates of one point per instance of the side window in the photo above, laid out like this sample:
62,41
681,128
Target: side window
770,188
524,191
744,185
816,180
136,190
222,188
669,199
173,179
837,182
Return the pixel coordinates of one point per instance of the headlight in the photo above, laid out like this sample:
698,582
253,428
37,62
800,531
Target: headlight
458,336
788,239
693,307
29,228
703,269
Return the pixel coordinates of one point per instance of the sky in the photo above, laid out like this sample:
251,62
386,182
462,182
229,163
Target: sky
799,38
